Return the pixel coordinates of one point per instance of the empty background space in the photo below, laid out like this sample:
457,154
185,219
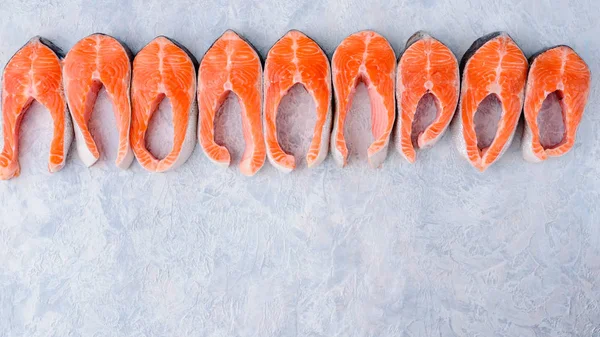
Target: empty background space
429,249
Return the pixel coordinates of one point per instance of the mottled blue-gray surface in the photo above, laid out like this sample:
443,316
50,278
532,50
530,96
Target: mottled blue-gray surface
430,249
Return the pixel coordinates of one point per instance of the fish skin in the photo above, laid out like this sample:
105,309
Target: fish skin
476,45
371,59
43,83
414,80
232,64
300,60
96,61
509,77
163,69
572,77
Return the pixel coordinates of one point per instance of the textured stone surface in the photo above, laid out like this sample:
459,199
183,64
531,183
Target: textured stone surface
430,249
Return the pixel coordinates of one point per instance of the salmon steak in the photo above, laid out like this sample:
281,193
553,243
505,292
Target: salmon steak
368,57
232,65
95,61
34,73
558,86
494,72
296,58
427,88
164,68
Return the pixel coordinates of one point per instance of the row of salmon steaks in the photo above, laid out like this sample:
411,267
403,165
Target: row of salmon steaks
481,99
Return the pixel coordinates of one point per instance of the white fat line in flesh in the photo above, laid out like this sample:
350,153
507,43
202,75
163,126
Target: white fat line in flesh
365,53
362,69
495,87
428,84
96,73
32,90
297,75
161,55
228,51
428,54
560,85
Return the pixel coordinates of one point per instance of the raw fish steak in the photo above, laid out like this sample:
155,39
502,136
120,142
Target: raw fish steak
296,58
34,73
368,57
494,71
95,61
232,65
163,68
427,88
558,87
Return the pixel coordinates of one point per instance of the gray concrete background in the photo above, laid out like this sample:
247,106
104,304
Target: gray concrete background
430,249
